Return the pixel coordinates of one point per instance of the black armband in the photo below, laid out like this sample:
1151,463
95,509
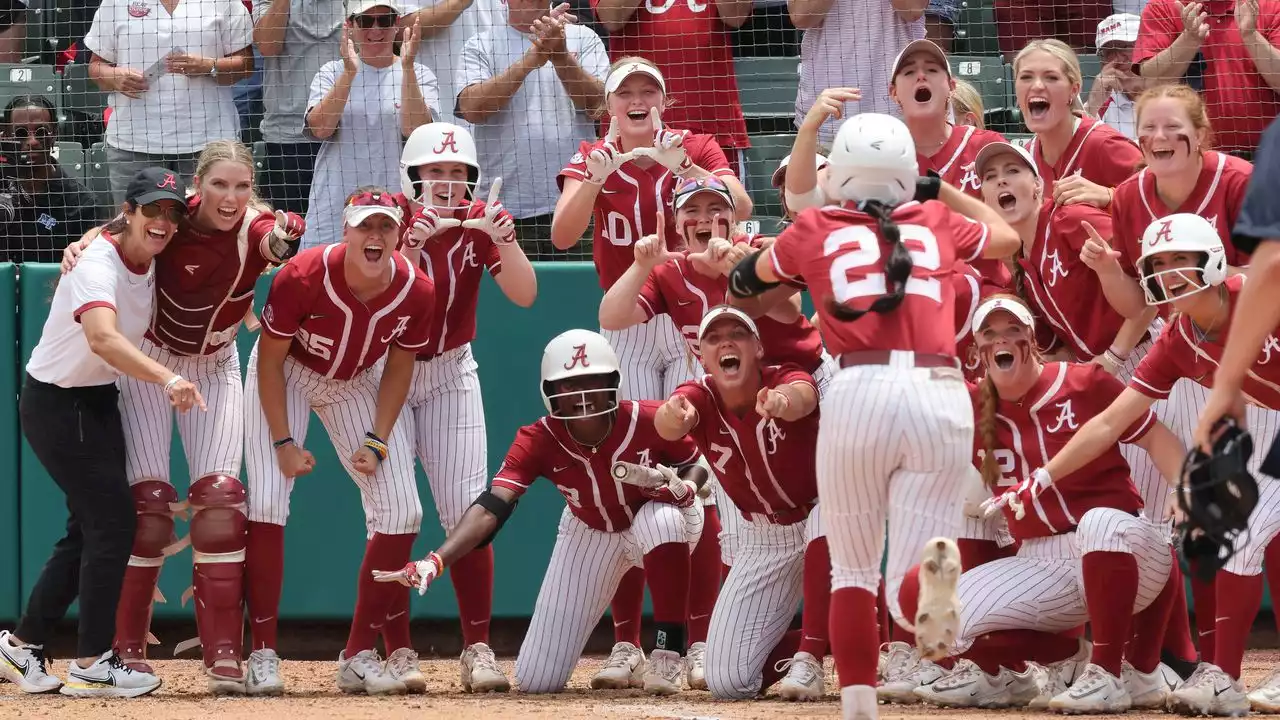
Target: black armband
928,186
498,508
743,280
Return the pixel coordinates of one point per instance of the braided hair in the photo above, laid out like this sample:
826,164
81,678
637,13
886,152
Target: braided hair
897,269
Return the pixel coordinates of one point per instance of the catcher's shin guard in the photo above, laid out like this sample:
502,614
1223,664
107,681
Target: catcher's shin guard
219,533
155,501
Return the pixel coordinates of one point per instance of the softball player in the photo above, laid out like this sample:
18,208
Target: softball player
1079,158
903,427
455,239
1184,264
1085,555
204,288
333,314
607,525
758,426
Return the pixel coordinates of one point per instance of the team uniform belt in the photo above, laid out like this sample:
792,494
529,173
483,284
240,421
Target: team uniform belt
883,357
789,516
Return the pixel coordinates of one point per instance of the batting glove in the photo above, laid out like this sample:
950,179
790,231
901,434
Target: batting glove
426,223
418,574
1017,498
668,147
285,237
493,219
675,491
604,160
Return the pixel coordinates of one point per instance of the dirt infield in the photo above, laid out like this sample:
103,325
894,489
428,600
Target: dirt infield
313,695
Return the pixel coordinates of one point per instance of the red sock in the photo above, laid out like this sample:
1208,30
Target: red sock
472,577
628,603
1041,647
1204,594
854,636
374,599
790,643
704,577
992,651
1239,597
817,599
1272,559
882,611
979,552
395,629
908,602
264,581
1110,587
668,578
1154,627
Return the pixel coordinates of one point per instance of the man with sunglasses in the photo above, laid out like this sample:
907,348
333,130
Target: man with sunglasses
41,208
341,330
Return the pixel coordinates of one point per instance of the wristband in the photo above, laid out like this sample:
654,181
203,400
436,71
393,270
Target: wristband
1122,357
377,445
281,443
173,382
435,559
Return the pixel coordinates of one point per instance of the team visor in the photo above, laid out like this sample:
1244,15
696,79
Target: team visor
365,205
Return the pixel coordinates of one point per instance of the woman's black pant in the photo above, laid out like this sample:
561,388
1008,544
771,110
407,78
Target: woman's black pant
77,435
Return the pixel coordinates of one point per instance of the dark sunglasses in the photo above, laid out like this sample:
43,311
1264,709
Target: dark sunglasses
41,133
154,210
365,22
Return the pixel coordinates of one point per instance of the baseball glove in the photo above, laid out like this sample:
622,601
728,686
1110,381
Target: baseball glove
1216,496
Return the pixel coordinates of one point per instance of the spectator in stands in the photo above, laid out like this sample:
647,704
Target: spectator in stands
852,43
530,89
170,80
1071,21
689,42
13,29
966,105
1238,41
41,208
361,108
446,26
940,22
1117,87
294,45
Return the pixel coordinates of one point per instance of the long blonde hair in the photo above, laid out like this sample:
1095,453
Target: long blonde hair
966,99
230,151
1064,54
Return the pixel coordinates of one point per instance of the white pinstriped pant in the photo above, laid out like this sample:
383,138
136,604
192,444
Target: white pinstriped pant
1042,587
583,574
346,409
654,357
444,414
895,444
213,441
757,603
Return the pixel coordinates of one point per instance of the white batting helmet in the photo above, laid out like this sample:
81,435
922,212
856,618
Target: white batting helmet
432,143
872,158
1181,232
575,353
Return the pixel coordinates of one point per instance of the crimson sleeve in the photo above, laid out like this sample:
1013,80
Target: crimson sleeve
285,308
1159,370
1068,221
708,155
1161,25
969,236
651,297
577,167
523,463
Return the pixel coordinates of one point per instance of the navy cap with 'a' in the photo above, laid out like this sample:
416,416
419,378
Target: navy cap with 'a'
154,184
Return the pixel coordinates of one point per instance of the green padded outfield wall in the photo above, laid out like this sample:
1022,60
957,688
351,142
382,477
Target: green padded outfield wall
325,535
10,538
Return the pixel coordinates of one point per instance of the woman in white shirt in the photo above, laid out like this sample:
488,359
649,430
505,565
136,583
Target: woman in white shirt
169,66
71,419
362,107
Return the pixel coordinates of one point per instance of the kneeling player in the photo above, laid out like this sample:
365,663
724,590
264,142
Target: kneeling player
608,526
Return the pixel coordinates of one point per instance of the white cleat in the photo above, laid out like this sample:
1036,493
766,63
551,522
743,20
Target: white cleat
858,702
363,673
803,681
624,669
697,661
1210,691
264,673
899,678
1055,678
25,666
403,666
968,686
1148,691
938,612
108,676
480,671
664,672
1265,698
226,677
1095,692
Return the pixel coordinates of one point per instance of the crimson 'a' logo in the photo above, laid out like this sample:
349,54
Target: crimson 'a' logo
1163,234
447,143
169,181
579,358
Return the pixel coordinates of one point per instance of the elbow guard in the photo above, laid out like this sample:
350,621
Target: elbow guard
496,507
804,201
743,280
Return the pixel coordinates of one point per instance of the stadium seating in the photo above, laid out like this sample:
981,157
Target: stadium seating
70,156
765,153
976,29
24,79
990,76
96,178
768,86
80,94
1090,66
259,156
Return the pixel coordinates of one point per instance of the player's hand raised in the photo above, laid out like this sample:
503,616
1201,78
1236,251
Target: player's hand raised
668,147
418,574
682,411
294,460
651,250
1096,253
426,224
1075,190
604,160
771,403
494,219
830,104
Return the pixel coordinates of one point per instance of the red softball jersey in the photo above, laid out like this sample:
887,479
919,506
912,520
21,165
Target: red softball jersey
1100,153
